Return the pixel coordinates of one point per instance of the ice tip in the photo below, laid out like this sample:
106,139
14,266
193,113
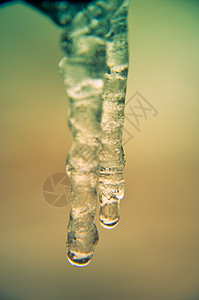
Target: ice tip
79,260
109,215
109,224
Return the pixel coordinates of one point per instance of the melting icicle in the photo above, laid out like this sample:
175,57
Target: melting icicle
95,70
83,76
111,182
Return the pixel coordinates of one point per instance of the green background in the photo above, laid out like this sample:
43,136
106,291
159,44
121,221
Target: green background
153,252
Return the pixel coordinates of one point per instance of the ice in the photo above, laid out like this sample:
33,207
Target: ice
94,70
111,181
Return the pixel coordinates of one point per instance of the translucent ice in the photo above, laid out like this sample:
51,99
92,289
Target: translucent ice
94,70
111,181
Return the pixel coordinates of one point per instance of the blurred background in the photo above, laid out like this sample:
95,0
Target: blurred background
153,252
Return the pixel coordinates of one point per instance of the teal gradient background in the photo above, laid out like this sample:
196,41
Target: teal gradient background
153,253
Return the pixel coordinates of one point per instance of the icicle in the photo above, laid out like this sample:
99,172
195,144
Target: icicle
83,71
111,182
94,70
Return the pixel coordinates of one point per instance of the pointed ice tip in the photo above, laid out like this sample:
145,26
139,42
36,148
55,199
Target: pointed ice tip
78,259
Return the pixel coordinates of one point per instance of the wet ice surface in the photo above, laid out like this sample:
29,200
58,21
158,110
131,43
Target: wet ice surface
94,70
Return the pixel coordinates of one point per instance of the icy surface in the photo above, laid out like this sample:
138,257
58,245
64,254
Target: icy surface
111,181
94,70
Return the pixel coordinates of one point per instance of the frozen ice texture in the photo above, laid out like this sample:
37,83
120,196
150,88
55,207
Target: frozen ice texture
94,70
111,181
